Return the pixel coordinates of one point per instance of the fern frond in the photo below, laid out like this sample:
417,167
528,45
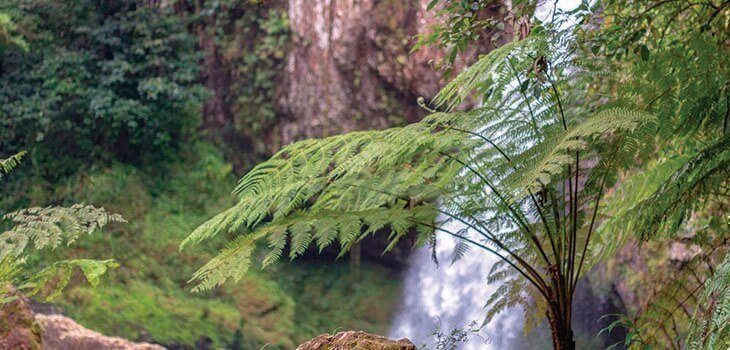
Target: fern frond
339,173
8,164
52,280
323,226
479,73
50,226
692,301
683,191
710,327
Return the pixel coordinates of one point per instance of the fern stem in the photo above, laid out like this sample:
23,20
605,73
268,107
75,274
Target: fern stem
493,238
547,227
727,111
560,105
533,238
519,219
540,286
524,95
450,127
595,214
574,234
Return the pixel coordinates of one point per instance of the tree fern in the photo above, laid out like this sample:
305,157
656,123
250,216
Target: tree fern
523,174
702,176
688,308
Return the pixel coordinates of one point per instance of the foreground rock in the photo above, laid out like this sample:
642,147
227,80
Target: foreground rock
355,340
63,333
18,329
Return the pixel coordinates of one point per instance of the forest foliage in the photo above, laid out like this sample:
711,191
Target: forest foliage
101,80
47,228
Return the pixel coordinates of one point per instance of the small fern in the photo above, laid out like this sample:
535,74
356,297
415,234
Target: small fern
8,164
48,227
51,226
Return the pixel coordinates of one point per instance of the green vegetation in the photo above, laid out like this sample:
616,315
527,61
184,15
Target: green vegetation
600,128
106,98
109,80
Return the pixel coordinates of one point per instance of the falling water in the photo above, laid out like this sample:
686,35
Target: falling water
450,296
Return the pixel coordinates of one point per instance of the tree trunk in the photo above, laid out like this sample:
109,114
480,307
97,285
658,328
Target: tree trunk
355,260
560,328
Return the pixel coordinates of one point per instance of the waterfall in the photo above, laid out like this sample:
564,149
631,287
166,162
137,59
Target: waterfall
449,296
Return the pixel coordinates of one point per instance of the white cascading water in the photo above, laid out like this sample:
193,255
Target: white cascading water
452,296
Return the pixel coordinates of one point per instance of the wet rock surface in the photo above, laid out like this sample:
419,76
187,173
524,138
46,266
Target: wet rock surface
355,340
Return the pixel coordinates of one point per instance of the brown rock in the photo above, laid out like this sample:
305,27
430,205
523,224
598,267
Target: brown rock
18,329
350,67
63,333
353,340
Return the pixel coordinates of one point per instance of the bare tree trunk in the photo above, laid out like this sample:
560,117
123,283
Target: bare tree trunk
355,260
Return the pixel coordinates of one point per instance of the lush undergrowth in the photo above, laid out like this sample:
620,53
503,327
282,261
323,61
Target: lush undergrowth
148,297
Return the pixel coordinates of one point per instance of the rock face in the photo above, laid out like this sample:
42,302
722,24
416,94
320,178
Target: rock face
355,340
349,66
18,329
63,333
346,65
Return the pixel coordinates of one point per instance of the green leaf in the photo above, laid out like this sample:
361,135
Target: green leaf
644,52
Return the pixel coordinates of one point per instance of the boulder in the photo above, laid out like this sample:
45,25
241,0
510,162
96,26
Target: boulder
355,340
63,333
18,329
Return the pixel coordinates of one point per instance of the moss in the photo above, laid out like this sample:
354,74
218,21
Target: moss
138,310
328,299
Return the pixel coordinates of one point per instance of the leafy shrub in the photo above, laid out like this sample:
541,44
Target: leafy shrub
99,81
